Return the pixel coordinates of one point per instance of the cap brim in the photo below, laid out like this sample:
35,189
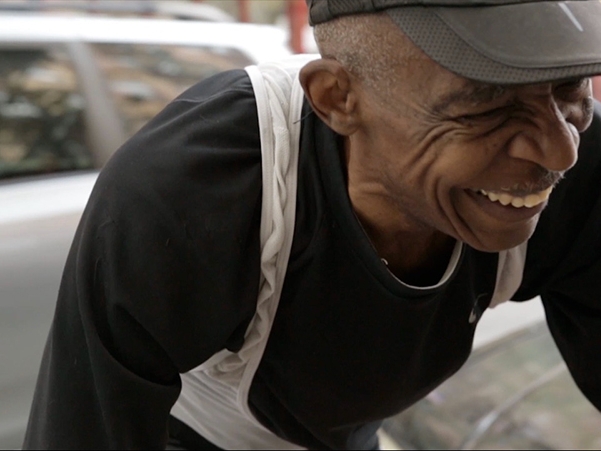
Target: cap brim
517,43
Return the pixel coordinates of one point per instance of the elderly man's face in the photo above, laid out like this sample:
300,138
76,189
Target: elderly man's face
477,162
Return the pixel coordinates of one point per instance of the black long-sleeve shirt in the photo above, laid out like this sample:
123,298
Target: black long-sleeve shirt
164,272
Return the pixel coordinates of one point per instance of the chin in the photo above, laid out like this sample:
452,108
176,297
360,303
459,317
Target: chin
497,242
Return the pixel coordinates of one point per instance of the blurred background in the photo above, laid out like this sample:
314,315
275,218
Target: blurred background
77,78
290,15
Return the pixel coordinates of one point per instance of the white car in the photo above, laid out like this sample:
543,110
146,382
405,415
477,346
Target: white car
72,89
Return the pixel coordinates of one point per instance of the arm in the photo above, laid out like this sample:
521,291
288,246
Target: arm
564,266
575,323
162,273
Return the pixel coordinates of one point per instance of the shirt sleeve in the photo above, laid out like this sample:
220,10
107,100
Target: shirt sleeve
563,265
163,272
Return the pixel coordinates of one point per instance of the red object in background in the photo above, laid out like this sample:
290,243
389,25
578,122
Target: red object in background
243,11
297,16
597,88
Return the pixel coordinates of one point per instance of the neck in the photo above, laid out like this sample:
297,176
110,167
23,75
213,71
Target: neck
415,252
417,257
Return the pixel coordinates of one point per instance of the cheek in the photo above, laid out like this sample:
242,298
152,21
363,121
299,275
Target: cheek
463,162
460,168
433,167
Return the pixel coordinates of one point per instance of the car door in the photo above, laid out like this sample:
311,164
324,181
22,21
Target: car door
49,158
64,109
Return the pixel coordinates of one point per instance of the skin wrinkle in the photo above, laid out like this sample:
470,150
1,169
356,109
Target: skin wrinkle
545,178
472,95
421,141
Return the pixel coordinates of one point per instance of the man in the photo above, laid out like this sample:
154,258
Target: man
434,140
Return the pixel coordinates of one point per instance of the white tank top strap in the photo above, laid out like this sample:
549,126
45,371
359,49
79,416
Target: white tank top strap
510,272
214,396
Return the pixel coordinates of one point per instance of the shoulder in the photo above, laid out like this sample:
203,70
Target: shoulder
217,113
179,203
203,141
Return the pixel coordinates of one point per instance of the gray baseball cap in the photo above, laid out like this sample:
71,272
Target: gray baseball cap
494,41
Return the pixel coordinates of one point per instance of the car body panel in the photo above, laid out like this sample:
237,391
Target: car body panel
37,222
259,42
39,213
506,318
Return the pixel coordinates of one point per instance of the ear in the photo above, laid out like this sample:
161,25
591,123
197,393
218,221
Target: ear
330,89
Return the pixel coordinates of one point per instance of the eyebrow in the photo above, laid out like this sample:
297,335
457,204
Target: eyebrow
473,94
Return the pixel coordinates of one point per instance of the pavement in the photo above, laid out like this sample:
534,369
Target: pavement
506,318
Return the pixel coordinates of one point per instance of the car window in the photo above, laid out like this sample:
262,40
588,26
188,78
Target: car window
42,126
143,78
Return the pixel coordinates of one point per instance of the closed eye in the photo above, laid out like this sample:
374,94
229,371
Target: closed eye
494,113
573,89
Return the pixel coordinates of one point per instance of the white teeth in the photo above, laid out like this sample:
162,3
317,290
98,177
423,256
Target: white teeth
493,196
505,199
531,200
518,202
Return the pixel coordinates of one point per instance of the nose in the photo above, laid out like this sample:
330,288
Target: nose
547,139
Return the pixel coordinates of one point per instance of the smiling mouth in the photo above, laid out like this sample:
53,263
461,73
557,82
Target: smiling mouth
529,201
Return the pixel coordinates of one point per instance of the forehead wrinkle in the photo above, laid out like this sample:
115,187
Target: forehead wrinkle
471,95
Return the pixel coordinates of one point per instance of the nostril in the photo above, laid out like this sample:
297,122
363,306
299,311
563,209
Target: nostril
555,151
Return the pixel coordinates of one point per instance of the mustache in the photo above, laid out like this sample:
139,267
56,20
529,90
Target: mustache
549,178
540,180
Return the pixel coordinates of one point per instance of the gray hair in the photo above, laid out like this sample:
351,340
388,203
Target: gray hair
370,46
